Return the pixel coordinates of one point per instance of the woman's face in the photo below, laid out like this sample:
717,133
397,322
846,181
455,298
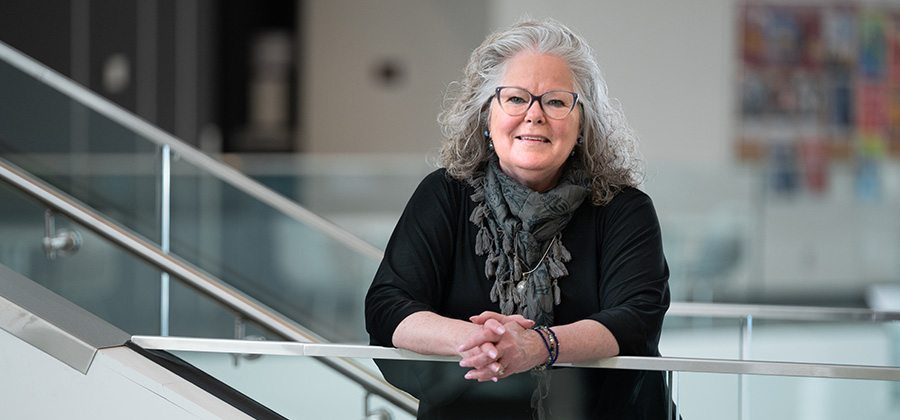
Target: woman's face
532,147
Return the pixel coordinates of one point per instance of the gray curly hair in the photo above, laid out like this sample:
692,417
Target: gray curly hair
609,151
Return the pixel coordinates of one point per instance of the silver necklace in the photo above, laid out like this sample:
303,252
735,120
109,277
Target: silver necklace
520,286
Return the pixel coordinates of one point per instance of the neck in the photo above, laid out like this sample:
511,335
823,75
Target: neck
535,180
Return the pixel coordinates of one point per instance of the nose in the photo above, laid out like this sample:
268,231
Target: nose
535,113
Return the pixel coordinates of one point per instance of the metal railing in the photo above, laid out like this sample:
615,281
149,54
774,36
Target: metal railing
778,312
671,366
665,364
197,279
307,343
185,151
192,276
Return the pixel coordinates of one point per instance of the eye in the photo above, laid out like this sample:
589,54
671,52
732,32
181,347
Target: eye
557,103
515,100
558,100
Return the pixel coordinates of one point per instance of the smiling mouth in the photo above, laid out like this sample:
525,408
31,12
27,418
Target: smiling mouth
541,139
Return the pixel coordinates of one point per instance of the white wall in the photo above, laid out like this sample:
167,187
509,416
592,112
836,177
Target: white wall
669,63
343,107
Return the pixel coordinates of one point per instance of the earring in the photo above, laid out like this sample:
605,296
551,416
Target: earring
491,145
580,140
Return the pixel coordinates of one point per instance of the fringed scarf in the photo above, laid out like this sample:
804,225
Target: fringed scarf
520,232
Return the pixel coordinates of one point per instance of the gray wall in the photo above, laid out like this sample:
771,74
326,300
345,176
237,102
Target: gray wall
674,79
347,106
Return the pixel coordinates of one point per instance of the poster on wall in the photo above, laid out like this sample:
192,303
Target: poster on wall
817,83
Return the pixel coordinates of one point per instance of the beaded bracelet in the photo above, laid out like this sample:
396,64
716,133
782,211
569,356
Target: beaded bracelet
551,343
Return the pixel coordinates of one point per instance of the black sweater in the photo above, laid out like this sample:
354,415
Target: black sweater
617,276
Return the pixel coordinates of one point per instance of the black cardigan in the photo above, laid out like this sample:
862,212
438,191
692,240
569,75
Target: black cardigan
617,276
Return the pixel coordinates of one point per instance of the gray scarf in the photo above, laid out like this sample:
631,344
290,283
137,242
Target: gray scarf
519,231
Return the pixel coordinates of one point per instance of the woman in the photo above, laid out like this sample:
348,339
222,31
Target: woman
531,246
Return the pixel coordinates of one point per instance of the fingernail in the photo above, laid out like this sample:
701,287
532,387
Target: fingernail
468,376
494,379
501,330
493,354
462,363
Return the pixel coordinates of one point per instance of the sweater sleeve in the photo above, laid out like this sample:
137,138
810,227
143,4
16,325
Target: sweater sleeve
416,260
634,291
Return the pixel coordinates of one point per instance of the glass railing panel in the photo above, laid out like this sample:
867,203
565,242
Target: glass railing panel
708,217
716,396
722,401
858,342
851,343
294,387
289,266
820,398
80,151
107,280
362,193
732,235
701,338
100,277
95,154
701,389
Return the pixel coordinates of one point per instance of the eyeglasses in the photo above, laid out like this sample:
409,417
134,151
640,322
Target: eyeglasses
515,101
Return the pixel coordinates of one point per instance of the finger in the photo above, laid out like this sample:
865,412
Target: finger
476,362
495,326
485,335
486,315
522,321
484,355
491,372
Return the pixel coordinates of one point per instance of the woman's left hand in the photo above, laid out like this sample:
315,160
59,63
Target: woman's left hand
517,347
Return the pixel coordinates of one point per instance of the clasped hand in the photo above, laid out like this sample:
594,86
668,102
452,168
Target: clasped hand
498,348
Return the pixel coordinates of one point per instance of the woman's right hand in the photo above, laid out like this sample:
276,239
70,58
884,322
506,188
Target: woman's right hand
503,346
479,348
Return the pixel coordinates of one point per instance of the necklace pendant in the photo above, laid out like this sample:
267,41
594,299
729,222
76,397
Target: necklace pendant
521,285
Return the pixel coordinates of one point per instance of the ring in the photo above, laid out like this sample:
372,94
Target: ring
500,370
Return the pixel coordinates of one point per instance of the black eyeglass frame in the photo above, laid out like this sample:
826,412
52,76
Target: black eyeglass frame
534,99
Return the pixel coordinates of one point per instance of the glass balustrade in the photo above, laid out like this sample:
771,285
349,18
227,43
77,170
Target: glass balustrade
111,167
786,391
80,151
838,342
289,266
295,387
98,276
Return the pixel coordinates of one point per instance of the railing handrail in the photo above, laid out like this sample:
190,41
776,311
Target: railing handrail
187,152
194,277
666,364
778,312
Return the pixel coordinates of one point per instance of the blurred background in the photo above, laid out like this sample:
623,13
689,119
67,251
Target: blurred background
768,130
771,133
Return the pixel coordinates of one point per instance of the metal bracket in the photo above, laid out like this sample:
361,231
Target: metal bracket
240,334
62,242
376,414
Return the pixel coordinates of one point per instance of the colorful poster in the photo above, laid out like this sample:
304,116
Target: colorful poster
828,72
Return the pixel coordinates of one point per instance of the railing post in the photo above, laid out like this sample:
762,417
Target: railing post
743,380
670,375
164,228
